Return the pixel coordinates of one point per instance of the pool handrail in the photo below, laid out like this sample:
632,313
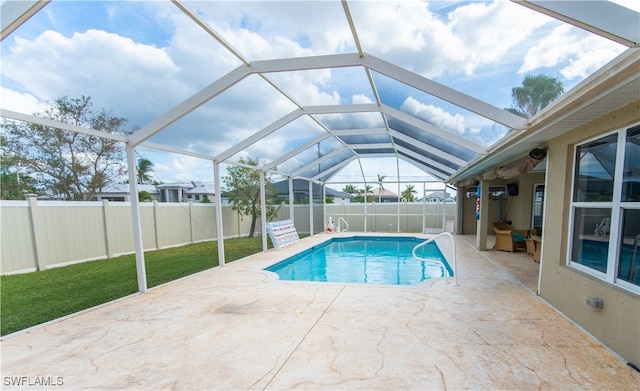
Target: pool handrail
345,223
453,249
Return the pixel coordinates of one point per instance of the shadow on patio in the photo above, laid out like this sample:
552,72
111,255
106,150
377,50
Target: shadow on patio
519,264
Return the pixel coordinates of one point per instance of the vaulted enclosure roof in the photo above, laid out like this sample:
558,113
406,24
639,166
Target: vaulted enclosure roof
312,89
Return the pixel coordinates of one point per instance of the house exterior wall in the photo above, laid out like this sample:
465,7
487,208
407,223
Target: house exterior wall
617,324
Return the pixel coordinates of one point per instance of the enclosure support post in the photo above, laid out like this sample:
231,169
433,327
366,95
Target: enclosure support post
366,195
135,218
33,206
424,207
107,230
311,209
291,201
263,212
444,207
324,205
218,201
482,224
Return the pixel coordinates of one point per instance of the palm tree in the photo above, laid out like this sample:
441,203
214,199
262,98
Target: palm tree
364,194
380,187
350,189
145,168
408,193
535,94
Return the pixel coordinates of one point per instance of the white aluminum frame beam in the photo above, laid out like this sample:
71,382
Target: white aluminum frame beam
436,131
443,92
358,132
371,146
192,103
427,148
604,18
254,138
424,168
205,26
419,157
14,13
319,160
14,115
274,163
167,148
352,26
334,167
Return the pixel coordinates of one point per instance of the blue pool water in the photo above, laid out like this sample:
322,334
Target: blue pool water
594,255
364,260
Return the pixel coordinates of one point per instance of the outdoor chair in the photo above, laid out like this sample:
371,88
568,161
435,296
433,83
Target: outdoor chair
534,244
537,242
509,239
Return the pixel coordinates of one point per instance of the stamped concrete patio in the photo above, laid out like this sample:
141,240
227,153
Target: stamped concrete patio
236,328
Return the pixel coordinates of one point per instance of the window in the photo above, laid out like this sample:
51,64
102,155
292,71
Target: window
605,228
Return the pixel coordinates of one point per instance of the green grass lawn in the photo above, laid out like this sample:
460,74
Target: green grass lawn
33,298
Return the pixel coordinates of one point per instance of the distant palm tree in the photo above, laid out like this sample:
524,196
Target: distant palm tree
408,193
350,189
145,169
365,193
380,187
535,94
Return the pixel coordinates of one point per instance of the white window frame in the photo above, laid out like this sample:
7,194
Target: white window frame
617,208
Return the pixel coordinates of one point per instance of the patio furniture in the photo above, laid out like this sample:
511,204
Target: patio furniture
531,247
537,242
508,238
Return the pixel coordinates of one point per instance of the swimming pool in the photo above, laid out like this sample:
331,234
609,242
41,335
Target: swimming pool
364,260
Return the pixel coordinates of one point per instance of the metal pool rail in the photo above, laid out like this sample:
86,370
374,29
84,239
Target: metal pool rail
453,249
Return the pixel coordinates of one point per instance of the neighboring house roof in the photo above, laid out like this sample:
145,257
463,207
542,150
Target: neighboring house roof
123,188
300,185
439,194
175,186
201,188
383,193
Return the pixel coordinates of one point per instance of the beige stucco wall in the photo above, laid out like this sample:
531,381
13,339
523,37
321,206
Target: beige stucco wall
617,325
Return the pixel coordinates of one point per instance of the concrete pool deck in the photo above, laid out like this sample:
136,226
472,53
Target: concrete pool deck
234,328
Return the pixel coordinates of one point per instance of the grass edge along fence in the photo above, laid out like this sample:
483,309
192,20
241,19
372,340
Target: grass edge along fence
30,299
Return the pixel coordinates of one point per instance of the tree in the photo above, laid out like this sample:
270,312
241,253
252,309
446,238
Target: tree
409,193
243,185
64,164
144,196
364,193
350,189
380,187
535,94
14,183
145,170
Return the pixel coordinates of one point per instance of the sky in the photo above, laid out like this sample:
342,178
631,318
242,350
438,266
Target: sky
139,59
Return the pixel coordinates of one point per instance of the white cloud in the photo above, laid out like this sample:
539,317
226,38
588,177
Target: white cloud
414,37
182,168
487,31
435,115
582,52
116,72
20,102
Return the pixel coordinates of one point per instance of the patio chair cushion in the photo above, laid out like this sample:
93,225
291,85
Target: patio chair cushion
518,237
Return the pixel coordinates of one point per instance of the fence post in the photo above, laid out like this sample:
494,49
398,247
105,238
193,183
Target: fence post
33,206
155,224
105,218
191,221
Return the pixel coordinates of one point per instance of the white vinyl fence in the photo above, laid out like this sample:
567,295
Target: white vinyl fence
36,235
